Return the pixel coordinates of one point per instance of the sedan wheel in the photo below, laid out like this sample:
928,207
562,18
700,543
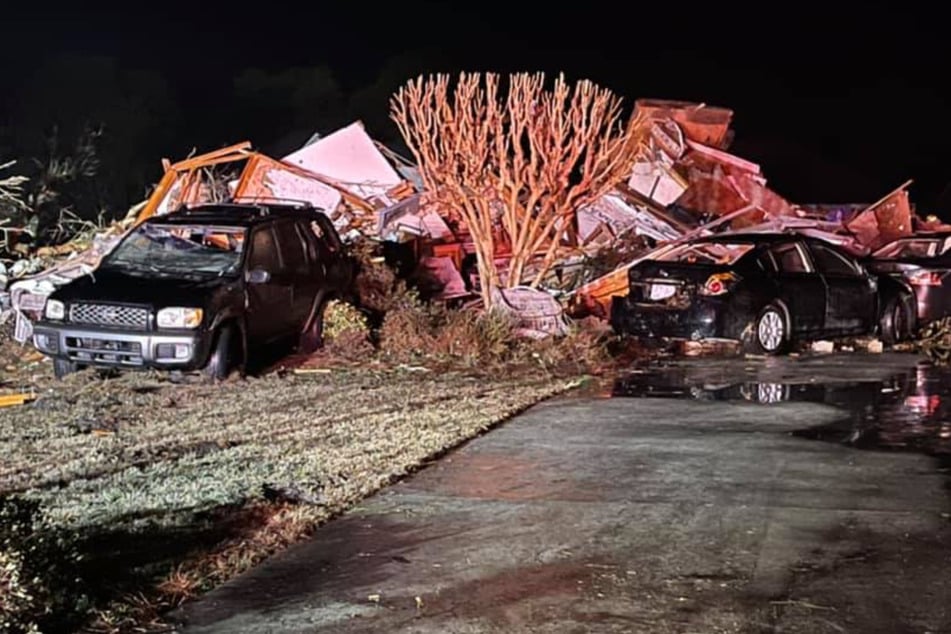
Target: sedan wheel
771,331
897,322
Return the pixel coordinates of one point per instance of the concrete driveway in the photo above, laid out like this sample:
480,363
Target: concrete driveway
699,508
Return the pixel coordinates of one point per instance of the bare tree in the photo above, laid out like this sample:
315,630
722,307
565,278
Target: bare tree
515,167
12,205
11,189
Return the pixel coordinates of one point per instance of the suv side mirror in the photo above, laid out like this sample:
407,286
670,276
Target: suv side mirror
257,276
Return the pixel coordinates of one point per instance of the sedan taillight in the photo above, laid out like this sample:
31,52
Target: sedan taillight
924,278
718,284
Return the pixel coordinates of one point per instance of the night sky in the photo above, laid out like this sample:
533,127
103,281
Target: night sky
838,103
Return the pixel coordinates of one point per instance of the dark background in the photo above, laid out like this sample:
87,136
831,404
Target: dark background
838,102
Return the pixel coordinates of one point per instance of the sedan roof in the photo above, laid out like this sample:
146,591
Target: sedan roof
752,238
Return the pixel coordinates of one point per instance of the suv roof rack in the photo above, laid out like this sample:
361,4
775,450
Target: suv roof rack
290,202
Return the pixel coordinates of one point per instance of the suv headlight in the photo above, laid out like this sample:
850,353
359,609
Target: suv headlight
55,310
178,317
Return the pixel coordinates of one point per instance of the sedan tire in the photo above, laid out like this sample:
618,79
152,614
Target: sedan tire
771,330
897,322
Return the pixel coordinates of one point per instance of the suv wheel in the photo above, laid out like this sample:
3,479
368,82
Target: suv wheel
221,360
312,337
62,367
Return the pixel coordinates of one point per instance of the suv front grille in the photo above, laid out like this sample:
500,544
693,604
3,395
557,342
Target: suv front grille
109,315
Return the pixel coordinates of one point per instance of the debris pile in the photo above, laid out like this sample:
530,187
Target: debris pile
935,341
684,184
33,278
687,185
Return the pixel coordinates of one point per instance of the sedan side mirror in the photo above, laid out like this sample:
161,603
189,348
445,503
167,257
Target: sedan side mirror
258,276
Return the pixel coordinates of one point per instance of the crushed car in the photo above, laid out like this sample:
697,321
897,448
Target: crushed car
923,261
764,289
202,288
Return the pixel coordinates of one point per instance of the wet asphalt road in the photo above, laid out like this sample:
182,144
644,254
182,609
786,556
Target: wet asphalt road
794,495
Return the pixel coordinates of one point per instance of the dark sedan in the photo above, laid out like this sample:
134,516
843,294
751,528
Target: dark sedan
923,262
763,289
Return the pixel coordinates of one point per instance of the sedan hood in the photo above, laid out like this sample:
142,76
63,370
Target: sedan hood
113,286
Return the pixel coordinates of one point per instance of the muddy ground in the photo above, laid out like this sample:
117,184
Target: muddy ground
795,495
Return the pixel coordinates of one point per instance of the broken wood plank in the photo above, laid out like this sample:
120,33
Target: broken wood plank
12,400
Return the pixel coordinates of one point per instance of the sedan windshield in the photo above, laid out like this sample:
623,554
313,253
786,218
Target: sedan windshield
179,250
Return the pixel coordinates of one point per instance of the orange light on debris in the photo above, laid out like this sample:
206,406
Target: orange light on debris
924,278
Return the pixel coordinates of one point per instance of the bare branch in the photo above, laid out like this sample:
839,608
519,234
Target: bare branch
519,164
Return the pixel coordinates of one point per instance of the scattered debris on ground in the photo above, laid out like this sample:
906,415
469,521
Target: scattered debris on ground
935,341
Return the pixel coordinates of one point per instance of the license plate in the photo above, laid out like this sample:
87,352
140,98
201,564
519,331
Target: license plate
661,291
31,302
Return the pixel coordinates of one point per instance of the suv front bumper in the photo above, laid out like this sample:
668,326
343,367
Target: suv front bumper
180,350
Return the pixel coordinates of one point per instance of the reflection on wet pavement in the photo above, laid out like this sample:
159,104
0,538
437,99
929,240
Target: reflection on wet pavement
909,410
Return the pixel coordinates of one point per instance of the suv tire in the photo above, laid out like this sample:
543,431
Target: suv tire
221,360
63,367
312,337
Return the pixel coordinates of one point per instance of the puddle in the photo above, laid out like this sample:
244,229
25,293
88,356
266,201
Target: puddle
910,410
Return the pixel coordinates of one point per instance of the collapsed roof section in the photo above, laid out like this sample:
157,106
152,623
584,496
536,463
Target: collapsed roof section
344,174
700,123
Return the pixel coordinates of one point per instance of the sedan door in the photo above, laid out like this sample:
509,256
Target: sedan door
801,288
850,292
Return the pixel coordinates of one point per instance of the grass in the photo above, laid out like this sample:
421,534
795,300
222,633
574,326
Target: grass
169,489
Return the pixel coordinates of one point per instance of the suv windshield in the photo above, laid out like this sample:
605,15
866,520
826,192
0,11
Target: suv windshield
179,250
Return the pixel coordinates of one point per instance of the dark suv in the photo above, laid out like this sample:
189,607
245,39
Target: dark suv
200,288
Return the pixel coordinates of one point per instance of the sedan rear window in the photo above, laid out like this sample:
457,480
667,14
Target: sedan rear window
707,253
